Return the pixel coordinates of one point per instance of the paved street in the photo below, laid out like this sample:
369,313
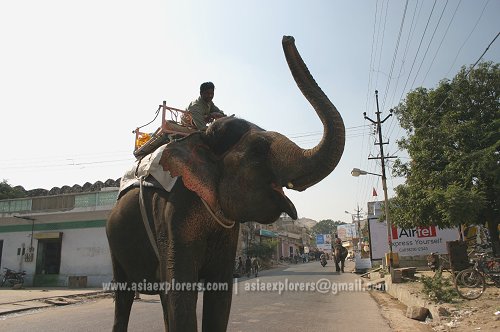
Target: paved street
253,308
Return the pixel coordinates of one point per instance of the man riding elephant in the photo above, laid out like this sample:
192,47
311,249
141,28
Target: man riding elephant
340,253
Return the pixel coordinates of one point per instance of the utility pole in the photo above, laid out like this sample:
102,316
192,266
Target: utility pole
359,228
382,158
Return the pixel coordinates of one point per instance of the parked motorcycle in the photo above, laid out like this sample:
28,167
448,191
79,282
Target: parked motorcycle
12,277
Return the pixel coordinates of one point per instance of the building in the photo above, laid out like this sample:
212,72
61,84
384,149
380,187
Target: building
59,240
58,237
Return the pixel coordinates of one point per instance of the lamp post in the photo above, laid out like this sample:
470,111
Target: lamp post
357,172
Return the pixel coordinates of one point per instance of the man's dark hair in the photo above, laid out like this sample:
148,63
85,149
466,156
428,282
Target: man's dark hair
206,86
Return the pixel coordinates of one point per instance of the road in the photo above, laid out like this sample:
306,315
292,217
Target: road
254,309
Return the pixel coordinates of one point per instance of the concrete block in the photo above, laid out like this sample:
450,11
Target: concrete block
397,276
417,313
77,281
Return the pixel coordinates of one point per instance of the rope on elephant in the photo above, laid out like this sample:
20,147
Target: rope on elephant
231,223
145,219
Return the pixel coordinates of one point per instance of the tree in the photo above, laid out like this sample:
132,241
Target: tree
327,226
8,192
453,139
264,250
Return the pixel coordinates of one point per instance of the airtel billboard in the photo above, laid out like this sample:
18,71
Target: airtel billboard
409,242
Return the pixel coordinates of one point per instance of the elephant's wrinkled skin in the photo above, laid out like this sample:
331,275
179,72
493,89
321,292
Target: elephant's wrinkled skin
239,170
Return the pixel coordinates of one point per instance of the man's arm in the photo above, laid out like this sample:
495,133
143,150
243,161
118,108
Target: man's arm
215,109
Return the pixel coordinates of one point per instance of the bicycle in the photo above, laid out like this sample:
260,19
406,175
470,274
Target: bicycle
471,283
12,277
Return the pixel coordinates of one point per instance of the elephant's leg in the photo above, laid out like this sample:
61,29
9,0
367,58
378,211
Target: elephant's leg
123,298
123,305
337,266
216,309
177,269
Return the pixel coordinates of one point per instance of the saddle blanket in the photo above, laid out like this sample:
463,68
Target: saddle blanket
145,167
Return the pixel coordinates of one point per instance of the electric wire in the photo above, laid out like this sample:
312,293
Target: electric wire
418,49
395,53
441,42
467,39
429,44
466,75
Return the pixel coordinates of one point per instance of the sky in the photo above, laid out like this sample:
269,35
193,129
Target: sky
77,77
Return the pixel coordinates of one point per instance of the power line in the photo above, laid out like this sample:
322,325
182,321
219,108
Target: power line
86,160
466,75
424,56
371,59
410,36
395,51
442,39
418,49
466,39
430,42
382,44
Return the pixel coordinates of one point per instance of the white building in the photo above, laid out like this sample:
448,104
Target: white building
58,240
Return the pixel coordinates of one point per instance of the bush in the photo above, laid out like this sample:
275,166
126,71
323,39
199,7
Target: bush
438,289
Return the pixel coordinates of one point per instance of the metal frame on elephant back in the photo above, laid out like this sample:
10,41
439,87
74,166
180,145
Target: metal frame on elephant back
146,143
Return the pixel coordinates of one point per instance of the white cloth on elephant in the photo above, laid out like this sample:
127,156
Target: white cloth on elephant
149,165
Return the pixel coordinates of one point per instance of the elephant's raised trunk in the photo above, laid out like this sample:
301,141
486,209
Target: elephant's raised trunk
299,168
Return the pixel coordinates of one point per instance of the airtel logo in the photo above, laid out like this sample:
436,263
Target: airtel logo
419,232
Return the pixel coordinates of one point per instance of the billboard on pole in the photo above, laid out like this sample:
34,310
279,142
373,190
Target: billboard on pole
409,242
324,242
347,232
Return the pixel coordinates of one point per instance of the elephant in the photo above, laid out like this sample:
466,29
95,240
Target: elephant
232,173
340,254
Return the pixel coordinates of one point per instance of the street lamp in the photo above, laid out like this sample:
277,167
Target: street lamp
357,172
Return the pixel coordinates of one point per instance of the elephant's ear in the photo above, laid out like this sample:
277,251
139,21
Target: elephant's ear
192,159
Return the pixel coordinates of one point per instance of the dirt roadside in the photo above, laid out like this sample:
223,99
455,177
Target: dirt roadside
460,316
394,313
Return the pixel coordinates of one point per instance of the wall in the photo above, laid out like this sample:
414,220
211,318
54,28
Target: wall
85,252
11,242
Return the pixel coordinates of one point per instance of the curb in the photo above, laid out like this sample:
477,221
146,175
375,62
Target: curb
51,301
407,298
403,295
